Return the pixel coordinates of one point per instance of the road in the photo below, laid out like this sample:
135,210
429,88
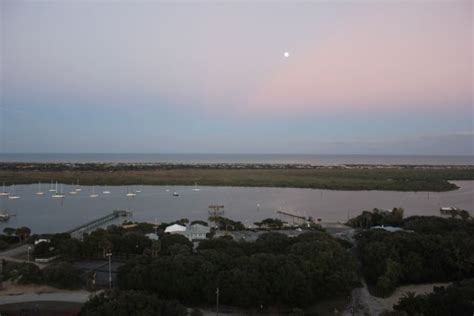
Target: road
8,255
75,297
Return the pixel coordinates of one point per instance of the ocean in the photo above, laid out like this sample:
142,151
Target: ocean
322,160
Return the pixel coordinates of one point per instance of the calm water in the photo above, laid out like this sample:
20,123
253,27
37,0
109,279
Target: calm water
244,158
44,214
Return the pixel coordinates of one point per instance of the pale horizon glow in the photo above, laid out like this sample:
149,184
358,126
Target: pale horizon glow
366,77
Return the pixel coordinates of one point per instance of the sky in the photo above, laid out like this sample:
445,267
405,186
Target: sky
362,77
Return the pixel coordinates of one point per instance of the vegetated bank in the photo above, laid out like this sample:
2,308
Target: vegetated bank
349,177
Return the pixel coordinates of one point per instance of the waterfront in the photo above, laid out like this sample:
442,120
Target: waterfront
320,160
44,214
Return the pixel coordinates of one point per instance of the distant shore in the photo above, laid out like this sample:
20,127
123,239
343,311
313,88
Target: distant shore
343,177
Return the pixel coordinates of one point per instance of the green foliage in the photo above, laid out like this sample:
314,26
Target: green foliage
455,300
63,275
224,223
378,217
130,303
434,250
173,243
273,223
22,273
203,223
9,231
275,269
406,178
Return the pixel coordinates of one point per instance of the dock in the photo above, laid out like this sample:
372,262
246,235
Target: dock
79,231
292,215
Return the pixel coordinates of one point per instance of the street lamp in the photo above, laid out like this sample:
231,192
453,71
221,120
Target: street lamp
109,254
28,251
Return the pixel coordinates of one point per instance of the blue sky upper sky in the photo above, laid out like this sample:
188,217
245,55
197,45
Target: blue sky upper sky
363,77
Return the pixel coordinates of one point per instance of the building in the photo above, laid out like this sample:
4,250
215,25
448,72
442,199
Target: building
196,232
191,232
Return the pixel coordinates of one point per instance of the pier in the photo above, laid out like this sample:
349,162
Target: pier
79,231
292,215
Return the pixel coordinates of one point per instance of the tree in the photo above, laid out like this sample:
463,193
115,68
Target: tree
9,231
63,275
23,233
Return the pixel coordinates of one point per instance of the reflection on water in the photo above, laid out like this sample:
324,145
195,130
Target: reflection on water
45,214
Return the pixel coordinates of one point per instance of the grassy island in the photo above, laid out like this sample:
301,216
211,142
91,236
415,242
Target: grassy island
348,177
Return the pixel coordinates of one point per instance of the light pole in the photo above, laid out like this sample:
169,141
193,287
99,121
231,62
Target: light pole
28,251
217,302
109,254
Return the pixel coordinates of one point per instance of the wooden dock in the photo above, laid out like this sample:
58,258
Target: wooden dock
79,231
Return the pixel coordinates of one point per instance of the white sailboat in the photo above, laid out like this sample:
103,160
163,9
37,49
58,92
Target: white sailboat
73,192
93,195
196,188
39,189
130,194
106,192
78,189
4,193
57,195
51,188
12,196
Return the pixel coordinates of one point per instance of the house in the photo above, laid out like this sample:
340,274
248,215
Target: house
196,232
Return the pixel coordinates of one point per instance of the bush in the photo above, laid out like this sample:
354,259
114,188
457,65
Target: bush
63,275
22,273
131,303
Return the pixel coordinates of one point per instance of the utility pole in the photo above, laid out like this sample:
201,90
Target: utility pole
109,254
28,251
217,302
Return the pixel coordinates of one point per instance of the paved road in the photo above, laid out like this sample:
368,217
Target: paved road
75,297
8,255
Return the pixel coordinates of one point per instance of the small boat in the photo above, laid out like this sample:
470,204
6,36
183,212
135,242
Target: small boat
4,216
196,188
39,189
130,194
105,192
93,195
73,192
78,190
138,191
13,196
4,193
51,188
167,190
57,195
175,194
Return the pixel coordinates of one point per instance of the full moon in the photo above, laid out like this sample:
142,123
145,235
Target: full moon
286,54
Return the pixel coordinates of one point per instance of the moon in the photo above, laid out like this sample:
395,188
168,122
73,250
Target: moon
286,54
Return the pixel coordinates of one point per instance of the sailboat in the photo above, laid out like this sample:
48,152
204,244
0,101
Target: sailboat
138,191
196,188
175,194
78,189
57,195
73,192
106,192
39,189
13,196
51,188
93,195
4,193
130,194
